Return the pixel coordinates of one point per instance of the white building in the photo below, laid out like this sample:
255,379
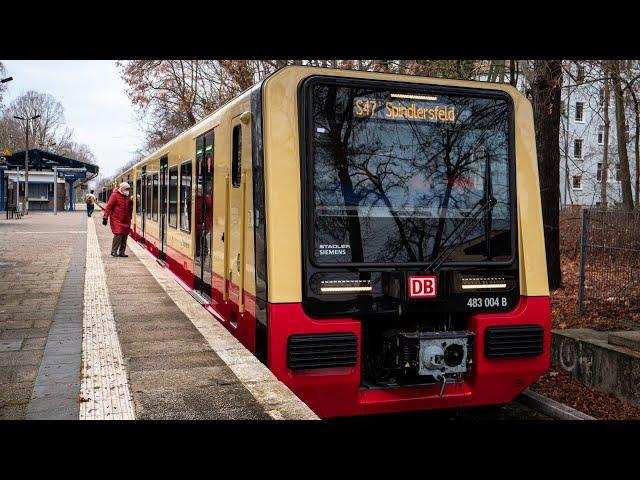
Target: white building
582,144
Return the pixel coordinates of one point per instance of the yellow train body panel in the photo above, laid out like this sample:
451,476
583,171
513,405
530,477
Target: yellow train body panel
282,163
283,192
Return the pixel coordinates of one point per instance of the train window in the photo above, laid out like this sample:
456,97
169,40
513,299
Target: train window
236,167
399,176
185,196
148,194
173,197
154,199
138,196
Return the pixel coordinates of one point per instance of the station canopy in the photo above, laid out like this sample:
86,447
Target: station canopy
40,159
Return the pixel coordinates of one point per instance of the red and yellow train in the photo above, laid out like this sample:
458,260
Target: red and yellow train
375,239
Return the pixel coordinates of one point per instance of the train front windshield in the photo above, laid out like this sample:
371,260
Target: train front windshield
394,172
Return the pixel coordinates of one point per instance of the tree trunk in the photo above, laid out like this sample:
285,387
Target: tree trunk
547,84
636,110
513,80
623,157
605,138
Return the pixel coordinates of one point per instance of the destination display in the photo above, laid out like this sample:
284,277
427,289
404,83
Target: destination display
404,108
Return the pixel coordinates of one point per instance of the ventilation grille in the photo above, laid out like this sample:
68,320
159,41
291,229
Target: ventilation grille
322,351
513,341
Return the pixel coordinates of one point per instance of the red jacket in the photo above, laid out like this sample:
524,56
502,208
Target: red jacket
209,213
119,208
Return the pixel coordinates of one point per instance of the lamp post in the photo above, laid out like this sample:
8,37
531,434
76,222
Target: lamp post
26,161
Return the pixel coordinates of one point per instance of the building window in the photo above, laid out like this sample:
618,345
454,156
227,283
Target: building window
577,149
173,197
579,112
626,133
236,167
599,173
601,135
579,73
185,196
38,192
154,199
577,182
601,96
563,108
618,173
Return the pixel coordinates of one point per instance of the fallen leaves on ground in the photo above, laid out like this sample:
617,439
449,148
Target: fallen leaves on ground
610,314
604,316
559,386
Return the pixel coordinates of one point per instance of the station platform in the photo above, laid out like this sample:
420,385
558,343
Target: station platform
84,335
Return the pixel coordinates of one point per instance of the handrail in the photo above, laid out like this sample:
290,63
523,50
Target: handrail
241,269
227,278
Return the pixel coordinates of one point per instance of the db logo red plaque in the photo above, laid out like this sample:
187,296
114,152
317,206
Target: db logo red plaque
423,286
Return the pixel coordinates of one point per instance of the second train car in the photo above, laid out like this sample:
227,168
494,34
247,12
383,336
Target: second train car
375,239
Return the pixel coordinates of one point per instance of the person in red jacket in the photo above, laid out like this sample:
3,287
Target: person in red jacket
119,209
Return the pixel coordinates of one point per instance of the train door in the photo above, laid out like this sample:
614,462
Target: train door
237,221
143,199
138,206
204,214
164,161
132,192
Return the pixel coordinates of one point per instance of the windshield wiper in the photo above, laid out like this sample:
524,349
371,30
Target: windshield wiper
473,218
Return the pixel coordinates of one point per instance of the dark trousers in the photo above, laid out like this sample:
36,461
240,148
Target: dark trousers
90,208
119,244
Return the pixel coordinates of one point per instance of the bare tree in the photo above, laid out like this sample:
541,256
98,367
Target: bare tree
623,157
605,153
11,132
50,127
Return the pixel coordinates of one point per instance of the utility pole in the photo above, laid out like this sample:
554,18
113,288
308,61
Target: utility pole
55,190
26,173
17,186
26,162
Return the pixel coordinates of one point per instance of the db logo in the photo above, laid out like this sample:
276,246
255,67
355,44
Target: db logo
423,286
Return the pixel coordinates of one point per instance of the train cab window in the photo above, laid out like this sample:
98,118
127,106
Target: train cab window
138,196
185,197
154,199
148,194
236,167
173,196
399,176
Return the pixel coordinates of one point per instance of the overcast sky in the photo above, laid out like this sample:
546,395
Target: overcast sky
94,100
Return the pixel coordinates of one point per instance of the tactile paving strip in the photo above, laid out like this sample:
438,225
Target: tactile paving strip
104,388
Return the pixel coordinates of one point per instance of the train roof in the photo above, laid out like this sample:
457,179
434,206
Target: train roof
332,72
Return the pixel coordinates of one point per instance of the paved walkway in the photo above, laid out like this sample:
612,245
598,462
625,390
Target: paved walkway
85,335
35,254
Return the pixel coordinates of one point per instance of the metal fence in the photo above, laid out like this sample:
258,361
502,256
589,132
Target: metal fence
609,261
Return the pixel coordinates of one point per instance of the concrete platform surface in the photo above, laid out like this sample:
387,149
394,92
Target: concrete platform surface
629,339
84,335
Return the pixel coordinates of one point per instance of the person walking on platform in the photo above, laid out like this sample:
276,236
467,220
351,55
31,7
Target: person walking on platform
90,200
119,209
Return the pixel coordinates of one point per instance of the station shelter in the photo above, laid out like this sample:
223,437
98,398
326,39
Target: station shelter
72,178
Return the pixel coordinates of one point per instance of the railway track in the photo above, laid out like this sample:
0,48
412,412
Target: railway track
527,406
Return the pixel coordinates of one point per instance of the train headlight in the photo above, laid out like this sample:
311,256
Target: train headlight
483,282
345,286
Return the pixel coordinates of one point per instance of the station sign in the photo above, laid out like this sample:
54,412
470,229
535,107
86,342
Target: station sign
69,173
